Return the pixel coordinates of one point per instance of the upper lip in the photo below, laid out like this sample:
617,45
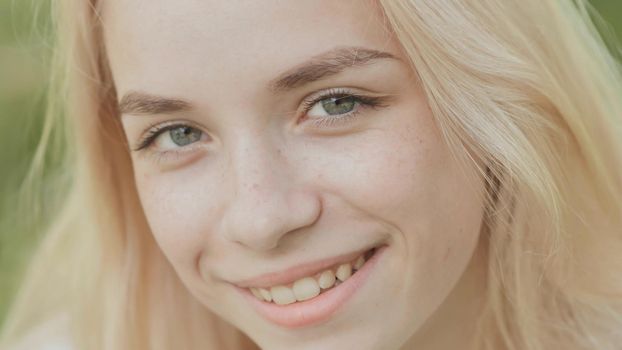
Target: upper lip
294,273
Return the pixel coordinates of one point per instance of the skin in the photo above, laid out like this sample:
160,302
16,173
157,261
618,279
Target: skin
264,188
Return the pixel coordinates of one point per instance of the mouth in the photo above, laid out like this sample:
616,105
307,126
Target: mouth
309,287
314,298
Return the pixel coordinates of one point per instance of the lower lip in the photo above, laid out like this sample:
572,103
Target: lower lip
318,309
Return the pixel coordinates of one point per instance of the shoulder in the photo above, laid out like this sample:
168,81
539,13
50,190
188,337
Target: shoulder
52,334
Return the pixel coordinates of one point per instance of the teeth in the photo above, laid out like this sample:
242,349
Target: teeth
308,287
282,295
359,262
344,272
327,279
265,294
256,293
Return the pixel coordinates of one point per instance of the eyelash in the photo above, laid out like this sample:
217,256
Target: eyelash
154,131
361,100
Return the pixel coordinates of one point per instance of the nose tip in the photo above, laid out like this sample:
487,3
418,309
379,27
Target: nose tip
260,222
270,197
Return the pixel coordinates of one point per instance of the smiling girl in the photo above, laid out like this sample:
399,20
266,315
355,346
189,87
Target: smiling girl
332,175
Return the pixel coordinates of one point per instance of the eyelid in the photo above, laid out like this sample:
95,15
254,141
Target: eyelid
317,96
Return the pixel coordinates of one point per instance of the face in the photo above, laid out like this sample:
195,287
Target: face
277,145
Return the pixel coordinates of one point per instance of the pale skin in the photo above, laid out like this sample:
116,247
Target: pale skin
256,186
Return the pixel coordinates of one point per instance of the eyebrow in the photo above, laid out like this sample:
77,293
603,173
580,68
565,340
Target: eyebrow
140,103
318,67
327,64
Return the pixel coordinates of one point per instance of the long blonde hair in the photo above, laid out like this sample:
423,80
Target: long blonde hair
526,88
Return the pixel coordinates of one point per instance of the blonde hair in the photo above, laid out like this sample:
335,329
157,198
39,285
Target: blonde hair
526,88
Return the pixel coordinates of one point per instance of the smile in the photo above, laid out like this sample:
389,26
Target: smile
311,286
316,297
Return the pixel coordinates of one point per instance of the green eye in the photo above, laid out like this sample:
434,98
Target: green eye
170,137
184,135
338,105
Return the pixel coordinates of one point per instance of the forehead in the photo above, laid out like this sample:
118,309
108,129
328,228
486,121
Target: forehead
151,42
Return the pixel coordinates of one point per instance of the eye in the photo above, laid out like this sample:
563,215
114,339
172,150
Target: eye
333,106
178,137
338,106
171,137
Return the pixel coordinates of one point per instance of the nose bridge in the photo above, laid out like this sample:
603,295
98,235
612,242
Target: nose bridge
266,201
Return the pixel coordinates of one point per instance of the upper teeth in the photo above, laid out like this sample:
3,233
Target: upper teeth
308,287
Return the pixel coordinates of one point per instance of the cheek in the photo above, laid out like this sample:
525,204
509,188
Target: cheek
176,207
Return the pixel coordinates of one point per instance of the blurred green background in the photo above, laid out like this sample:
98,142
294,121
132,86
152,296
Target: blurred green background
24,46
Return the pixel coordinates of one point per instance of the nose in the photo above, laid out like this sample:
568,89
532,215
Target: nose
267,201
